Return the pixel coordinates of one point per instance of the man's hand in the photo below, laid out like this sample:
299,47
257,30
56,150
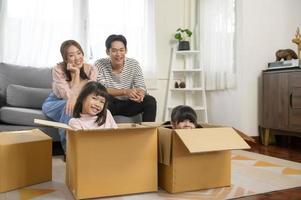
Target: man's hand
136,94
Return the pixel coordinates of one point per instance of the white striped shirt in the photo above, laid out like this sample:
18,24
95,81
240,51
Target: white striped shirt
130,77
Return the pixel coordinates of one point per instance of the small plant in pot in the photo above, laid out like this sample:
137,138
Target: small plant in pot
182,36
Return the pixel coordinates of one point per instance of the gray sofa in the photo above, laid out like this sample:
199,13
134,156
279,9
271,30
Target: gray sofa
23,90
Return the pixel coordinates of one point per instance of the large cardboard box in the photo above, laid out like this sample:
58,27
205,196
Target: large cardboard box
25,159
194,159
107,162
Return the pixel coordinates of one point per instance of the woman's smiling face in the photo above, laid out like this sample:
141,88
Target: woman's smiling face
75,56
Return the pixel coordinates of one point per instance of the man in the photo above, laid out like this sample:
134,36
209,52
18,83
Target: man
124,81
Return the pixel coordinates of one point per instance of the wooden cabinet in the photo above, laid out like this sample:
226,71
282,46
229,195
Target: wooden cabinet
281,102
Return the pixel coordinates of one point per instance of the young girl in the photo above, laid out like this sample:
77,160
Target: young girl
69,77
90,110
184,117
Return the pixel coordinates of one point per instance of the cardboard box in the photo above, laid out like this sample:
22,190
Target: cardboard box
194,159
25,159
107,162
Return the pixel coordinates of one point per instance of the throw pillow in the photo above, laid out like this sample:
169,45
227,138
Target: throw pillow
26,97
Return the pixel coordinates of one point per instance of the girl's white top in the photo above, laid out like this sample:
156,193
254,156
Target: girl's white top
88,122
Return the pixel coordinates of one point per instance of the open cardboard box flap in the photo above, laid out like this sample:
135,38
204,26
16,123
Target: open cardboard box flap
204,125
65,126
164,145
52,124
211,139
243,135
199,140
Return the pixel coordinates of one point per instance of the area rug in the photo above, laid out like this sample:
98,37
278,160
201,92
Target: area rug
252,174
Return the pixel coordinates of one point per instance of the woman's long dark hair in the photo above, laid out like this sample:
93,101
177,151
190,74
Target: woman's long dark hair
98,89
65,45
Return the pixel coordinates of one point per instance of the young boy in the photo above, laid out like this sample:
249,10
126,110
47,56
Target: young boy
184,117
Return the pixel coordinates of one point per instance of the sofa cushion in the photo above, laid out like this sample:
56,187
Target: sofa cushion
26,97
23,75
20,116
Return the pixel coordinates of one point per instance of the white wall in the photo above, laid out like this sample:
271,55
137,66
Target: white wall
263,27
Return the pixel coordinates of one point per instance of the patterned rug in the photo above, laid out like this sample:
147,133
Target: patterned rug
251,174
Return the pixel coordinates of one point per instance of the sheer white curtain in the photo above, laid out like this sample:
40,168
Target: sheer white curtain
132,18
2,14
33,30
216,42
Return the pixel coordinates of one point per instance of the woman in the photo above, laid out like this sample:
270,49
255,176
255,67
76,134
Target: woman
69,77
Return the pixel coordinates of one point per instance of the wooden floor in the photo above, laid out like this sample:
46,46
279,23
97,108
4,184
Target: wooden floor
288,149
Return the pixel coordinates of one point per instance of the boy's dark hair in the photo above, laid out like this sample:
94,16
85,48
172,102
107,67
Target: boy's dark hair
99,90
64,46
112,38
182,113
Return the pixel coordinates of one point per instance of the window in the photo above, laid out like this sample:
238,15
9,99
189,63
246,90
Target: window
217,30
133,19
33,30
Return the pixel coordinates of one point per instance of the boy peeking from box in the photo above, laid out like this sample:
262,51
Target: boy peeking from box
183,117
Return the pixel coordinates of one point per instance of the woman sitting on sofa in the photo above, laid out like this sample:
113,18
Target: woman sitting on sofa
69,77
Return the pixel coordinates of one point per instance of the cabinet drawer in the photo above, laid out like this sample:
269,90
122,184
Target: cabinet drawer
275,100
295,98
295,119
295,79
295,108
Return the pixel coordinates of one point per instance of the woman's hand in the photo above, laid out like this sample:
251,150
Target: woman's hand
72,68
70,106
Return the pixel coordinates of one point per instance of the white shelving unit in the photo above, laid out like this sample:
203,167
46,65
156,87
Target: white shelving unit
185,66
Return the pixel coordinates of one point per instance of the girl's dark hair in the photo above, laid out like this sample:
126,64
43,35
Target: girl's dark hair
112,38
64,46
182,113
98,89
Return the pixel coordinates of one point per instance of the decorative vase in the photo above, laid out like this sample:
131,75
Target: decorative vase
182,84
184,45
176,84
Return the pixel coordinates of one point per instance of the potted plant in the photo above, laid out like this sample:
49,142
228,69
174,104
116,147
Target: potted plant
182,36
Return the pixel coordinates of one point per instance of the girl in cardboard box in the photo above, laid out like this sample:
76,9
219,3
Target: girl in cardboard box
183,117
90,110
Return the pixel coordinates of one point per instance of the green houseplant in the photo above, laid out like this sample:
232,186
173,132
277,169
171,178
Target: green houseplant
182,35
